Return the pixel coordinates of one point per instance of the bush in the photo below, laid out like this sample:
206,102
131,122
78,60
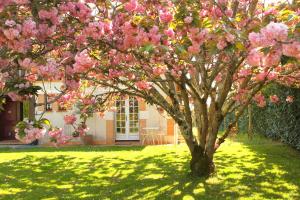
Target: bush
279,121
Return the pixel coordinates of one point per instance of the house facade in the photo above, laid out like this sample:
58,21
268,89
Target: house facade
131,122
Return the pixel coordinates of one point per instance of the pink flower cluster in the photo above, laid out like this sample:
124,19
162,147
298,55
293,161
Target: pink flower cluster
274,99
96,30
4,3
70,119
157,71
83,62
260,100
131,6
292,50
77,9
32,134
134,36
289,99
143,85
257,58
26,63
197,38
50,70
29,28
112,73
165,17
82,130
51,15
57,136
45,31
72,85
269,35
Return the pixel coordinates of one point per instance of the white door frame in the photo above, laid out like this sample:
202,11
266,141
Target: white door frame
126,132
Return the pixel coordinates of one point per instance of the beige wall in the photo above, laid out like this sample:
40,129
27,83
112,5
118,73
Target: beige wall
103,129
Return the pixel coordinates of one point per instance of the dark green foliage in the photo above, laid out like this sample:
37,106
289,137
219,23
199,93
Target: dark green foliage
279,121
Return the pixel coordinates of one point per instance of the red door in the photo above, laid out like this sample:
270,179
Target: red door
9,117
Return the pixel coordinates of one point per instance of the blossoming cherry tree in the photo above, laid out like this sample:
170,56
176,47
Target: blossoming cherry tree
197,60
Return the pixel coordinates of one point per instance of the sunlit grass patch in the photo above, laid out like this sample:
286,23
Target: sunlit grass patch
257,169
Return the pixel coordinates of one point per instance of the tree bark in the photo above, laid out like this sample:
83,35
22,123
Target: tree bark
250,124
201,165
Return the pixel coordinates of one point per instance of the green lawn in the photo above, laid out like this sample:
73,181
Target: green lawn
260,169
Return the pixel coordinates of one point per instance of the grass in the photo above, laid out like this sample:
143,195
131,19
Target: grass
258,169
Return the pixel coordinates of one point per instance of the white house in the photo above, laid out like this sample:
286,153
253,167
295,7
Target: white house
132,122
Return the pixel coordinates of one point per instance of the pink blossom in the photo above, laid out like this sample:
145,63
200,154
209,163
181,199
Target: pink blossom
166,17
255,39
10,23
157,71
44,31
289,99
154,36
274,99
70,119
83,62
277,31
58,137
241,95
222,1
269,34
112,73
11,33
272,76
49,14
143,85
229,37
82,130
62,139
254,57
131,6
32,134
72,84
31,78
245,72
271,11
273,58
169,32
261,76
188,19
219,78
229,12
77,9
49,70
20,2
55,132
194,49
95,30
26,63
29,28
221,44
292,50
260,100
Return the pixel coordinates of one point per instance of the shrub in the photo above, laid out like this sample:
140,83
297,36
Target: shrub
282,120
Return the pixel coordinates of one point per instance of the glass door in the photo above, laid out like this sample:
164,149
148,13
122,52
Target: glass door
127,119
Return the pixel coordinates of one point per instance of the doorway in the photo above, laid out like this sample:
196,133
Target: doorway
127,119
9,117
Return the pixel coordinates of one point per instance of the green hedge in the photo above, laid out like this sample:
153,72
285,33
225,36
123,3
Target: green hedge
279,121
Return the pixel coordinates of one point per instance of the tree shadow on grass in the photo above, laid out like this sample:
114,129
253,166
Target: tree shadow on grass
94,148
256,173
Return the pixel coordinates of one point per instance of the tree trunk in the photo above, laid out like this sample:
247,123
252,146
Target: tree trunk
201,165
250,124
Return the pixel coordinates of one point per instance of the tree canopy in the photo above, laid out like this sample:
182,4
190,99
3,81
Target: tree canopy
197,60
